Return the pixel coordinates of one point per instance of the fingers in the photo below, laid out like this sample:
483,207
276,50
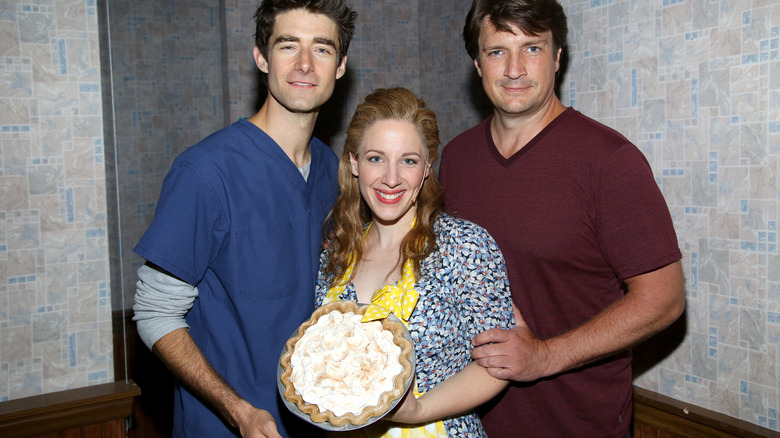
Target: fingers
489,336
490,353
500,373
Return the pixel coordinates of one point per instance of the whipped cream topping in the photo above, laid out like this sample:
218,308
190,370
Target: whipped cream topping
343,365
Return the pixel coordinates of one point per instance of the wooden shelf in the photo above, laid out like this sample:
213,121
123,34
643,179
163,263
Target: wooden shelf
659,416
60,411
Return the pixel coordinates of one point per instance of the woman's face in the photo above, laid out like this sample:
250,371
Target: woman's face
391,166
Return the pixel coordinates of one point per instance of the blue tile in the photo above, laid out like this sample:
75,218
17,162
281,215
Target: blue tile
72,350
70,210
63,57
751,58
89,88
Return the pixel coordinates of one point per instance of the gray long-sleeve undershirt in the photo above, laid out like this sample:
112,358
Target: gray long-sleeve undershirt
161,302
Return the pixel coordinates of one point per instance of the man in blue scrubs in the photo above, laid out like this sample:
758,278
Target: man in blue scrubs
232,253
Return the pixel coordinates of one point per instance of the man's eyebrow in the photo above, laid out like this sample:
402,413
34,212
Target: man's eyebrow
326,41
286,39
537,42
293,38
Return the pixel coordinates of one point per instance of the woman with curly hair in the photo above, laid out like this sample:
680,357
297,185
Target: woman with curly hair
390,245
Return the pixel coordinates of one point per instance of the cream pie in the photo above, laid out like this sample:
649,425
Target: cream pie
344,371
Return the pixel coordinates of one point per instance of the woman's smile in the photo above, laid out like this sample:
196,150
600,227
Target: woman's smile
389,197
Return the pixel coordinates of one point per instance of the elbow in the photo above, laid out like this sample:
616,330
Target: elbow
676,303
679,305
675,293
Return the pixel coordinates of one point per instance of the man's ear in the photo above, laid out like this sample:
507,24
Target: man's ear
260,60
342,68
476,64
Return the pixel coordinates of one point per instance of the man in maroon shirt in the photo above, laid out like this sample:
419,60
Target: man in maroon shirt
591,251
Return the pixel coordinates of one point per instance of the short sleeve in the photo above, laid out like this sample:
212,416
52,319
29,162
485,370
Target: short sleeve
485,295
188,227
635,228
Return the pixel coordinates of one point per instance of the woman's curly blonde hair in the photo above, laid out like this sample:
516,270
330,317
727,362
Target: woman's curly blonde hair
350,214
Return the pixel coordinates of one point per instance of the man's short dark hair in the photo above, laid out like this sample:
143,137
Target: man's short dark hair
337,10
533,17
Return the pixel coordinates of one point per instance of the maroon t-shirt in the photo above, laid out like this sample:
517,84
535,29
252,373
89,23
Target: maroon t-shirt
575,212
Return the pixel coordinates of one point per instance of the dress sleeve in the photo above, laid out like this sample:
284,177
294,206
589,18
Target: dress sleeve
486,300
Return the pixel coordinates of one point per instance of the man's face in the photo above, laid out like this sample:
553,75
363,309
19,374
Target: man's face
517,70
302,62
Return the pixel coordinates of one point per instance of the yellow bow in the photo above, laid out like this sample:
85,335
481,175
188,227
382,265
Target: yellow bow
398,300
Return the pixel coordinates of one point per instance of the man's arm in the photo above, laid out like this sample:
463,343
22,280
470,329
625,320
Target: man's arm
161,302
182,356
653,301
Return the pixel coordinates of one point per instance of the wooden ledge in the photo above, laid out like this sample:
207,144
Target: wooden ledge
686,420
63,410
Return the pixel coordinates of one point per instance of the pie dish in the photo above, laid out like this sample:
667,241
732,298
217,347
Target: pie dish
398,380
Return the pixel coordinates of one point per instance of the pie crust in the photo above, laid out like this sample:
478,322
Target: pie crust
317,415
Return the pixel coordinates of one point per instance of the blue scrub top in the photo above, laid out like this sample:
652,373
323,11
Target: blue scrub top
236,219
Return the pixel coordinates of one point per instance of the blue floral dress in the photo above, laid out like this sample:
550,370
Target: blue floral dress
464,290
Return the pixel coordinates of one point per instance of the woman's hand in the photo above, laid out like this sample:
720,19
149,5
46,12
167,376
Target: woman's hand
407,410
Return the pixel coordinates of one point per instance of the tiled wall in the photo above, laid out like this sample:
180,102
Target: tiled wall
55,309
167,94
694,83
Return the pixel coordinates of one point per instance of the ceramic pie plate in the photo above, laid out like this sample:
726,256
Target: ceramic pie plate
344,307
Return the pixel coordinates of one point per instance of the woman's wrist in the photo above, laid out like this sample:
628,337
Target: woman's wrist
409,411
